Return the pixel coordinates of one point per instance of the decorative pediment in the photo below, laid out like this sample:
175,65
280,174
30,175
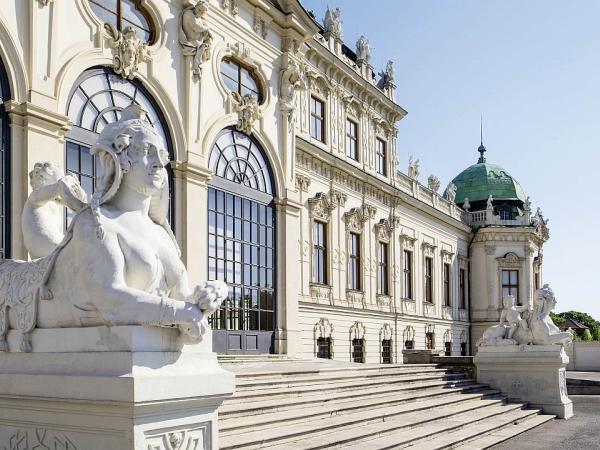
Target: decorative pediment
428,249
447,336
429,328
318,83
320,206
447,256
323,328
385,227
355,220
408,334
509,261
408,242
357,330
463,262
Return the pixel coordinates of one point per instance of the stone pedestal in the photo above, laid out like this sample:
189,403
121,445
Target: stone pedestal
126,387
419,356
531,373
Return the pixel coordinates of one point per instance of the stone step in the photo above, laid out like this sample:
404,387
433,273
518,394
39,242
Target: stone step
292,389
504,433
312,378
235,406
297,391
359,427
405,402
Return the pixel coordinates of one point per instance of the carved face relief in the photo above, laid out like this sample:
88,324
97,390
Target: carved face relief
147,158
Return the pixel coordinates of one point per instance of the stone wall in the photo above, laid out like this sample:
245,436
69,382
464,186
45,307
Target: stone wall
584,356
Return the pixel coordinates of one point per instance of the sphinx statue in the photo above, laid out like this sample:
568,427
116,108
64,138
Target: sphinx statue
118,262
523,326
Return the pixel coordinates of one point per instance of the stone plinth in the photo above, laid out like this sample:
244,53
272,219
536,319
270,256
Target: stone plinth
419,356
125,387
531,373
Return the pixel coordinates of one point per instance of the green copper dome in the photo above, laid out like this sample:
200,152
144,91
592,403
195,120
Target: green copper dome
483,179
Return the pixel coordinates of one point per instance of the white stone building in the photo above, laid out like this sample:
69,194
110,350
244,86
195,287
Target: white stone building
284,172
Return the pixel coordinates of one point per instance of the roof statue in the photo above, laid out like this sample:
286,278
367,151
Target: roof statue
413,168
466,205
363,51
387,76
118,263
433,183
451,192
332,22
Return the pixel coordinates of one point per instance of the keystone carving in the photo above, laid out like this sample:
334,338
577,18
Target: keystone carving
128,51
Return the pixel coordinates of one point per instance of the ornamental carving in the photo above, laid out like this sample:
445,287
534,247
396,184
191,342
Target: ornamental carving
247,110
318,83
355,220
447,256
337,198
447,312
195,36
428,309
260,26
409,306
386,332
408,334
357,330
323,329
321,294
490,250
433,183
385,227
302,182
291,80
190,439
383,301
128,50
230,6
428,249
320,206
355,299
509,261
39,438
447,336
408,242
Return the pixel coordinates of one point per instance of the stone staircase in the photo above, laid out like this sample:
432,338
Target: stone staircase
314,405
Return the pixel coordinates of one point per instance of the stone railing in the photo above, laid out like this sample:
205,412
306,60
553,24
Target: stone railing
486,217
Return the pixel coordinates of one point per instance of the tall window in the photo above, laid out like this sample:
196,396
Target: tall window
463,288
510,284
429,280
354,261
382,269
241,233
358,350
407,281
124,13
324,347
386,351
319,260
317,119
380,156
447,301
240,79
352,139
429,341
4,167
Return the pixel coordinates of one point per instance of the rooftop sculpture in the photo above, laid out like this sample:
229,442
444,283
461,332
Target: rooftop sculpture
118,263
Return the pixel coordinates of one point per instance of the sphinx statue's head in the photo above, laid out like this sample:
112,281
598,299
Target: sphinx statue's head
131,155
544,298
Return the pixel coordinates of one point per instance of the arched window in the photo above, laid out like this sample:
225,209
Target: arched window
125,13
239,79
241,244
97,99
4,166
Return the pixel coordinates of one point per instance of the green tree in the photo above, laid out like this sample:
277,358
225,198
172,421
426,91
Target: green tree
557,319
587,336
583,318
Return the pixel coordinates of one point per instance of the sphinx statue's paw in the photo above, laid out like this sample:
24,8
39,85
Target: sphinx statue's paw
194,331
210,295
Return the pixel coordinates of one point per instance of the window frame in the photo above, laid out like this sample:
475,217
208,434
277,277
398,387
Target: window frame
319,275
137,4
407,271
352,139
428,279
313,115
447,276
355,344
354,284
381,156
386,351
240,68
510,286
383,263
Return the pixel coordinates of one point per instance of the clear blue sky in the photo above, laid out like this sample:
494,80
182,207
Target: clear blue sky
532,68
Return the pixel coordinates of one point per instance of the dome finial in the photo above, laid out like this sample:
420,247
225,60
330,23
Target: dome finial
481,148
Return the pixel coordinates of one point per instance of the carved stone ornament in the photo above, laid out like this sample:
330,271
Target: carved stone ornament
332,24
447,312
231,6
323,329
195,36
302,182
428,309
433,183
509,261
320,207
128,50
383,301
521,326
357,330
447,256
337,198
39,438
321,294
428,249
260,26
408,334
45,2
386,332
384,229
291,80
408,242
247,110
355,299
355,220
318,84
45,293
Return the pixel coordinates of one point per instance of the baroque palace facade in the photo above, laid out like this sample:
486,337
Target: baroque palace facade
284,179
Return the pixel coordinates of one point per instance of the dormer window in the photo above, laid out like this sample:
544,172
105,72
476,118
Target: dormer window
239,79
123,14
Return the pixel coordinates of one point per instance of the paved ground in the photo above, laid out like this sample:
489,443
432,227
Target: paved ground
580,432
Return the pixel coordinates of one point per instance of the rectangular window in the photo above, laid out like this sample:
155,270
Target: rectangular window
380,157
510,284
447,348
447,301
358,350
386,351
429,280
324,347
317,119
352,139
429,344
462,286
407,284
319,261
354,261
382,269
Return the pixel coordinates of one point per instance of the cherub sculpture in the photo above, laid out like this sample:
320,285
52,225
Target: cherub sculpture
195,36
118,263
43,213
451,192
512,314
